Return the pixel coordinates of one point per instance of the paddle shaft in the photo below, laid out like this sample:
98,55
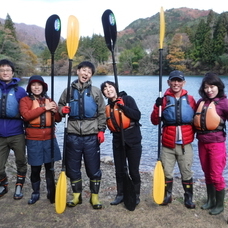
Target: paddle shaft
115,72
162,35
67,115
160,107
120,113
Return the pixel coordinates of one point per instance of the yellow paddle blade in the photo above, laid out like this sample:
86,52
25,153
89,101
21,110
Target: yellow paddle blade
162,27
158,183
72,36
61,193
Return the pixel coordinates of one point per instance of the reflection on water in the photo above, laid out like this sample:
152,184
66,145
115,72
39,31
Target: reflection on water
144,89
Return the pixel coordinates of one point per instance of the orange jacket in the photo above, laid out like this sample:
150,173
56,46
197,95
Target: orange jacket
30,114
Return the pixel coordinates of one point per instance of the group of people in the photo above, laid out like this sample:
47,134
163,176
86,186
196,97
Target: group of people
28,120
182,118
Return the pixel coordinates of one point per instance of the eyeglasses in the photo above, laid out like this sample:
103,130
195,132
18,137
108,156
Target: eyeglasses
7,71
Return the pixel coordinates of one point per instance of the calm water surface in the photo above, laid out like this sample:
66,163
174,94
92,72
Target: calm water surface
144,89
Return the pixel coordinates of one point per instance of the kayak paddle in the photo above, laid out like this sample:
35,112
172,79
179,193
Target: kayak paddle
159,177
110,33
72,46
52,36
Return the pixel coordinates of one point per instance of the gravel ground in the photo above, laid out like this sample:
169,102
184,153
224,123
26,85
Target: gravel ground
17,213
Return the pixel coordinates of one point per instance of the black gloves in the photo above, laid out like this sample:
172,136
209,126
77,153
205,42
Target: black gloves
159,101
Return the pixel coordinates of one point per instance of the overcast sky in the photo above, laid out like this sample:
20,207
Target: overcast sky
89,12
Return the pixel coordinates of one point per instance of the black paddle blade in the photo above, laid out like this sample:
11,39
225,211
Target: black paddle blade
129,193
109,26
51,188
52,32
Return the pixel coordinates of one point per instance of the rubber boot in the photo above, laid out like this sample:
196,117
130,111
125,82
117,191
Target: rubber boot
219,206
36,192
210,197
188,189
168,191
77,193
119,196
19,185
137,191
3,186
94,199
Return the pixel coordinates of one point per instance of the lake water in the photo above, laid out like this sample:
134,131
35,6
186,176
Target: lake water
144,89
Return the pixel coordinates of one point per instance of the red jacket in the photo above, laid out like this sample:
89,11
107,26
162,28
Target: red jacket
29,114
169,132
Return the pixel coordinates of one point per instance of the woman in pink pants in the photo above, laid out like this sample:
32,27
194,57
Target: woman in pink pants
209,121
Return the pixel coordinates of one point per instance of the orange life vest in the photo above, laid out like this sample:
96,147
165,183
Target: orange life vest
113,118
45,119
207,119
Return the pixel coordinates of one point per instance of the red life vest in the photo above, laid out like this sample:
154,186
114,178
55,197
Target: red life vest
113,118
207,119
45,119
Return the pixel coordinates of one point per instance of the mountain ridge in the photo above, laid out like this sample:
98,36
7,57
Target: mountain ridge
175,19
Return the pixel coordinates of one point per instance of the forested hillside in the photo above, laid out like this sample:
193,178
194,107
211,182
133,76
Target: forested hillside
195,42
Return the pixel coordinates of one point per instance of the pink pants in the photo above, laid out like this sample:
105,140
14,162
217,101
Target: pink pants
213,161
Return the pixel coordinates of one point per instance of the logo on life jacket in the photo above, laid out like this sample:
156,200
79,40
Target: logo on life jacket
207,119
45,119
113,120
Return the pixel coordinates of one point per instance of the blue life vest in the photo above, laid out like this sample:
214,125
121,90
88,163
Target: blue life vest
9,105
177,112
82,105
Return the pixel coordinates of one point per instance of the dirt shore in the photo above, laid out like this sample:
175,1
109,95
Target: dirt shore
17,213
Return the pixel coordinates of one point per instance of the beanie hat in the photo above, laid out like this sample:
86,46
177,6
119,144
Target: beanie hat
37,78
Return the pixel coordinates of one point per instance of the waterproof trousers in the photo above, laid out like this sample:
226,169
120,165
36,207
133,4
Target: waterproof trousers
86,147
213,161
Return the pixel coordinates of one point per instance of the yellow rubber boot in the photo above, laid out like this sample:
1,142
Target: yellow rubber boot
94,200
77,199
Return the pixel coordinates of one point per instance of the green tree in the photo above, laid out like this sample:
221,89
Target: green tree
207,52
94,49
10,25
125,62
220,33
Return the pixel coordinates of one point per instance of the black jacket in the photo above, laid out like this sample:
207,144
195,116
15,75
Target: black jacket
132,135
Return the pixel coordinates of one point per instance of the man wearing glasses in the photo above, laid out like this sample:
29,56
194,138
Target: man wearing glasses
11,130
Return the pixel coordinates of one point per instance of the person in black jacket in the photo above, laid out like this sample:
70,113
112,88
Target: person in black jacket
132,136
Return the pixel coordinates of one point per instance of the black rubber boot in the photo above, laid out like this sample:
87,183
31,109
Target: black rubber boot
219,207
36,192
77,193
119,196
3,186
19,185
94,199
137,191
168,191
188,189
210,197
